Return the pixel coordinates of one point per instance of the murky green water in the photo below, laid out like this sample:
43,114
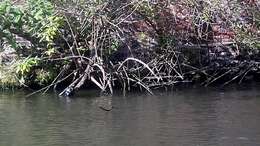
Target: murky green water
196,117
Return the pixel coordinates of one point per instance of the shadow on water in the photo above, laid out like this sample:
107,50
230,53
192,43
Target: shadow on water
184,117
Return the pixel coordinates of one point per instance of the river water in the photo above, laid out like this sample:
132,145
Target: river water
186,117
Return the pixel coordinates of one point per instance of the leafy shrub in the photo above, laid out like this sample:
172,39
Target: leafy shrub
24,68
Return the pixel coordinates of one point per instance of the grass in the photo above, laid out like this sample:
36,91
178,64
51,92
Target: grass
8,77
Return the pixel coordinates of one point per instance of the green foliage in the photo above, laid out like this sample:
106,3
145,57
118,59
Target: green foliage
10,17
147,9
43,76
248,28
50,29
38,23
42,20
36,18
8,77
24,68
32,70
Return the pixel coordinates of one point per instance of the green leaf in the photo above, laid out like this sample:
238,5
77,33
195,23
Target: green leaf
39,15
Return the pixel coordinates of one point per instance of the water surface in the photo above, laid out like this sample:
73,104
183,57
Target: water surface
190,117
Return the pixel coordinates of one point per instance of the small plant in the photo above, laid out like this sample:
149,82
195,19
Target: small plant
43,77
8,77
24,68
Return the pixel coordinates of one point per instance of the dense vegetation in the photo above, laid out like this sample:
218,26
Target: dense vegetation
127,43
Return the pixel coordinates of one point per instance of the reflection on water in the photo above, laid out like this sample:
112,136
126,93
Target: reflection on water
195,117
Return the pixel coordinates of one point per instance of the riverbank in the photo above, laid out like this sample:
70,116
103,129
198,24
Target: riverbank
127,45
